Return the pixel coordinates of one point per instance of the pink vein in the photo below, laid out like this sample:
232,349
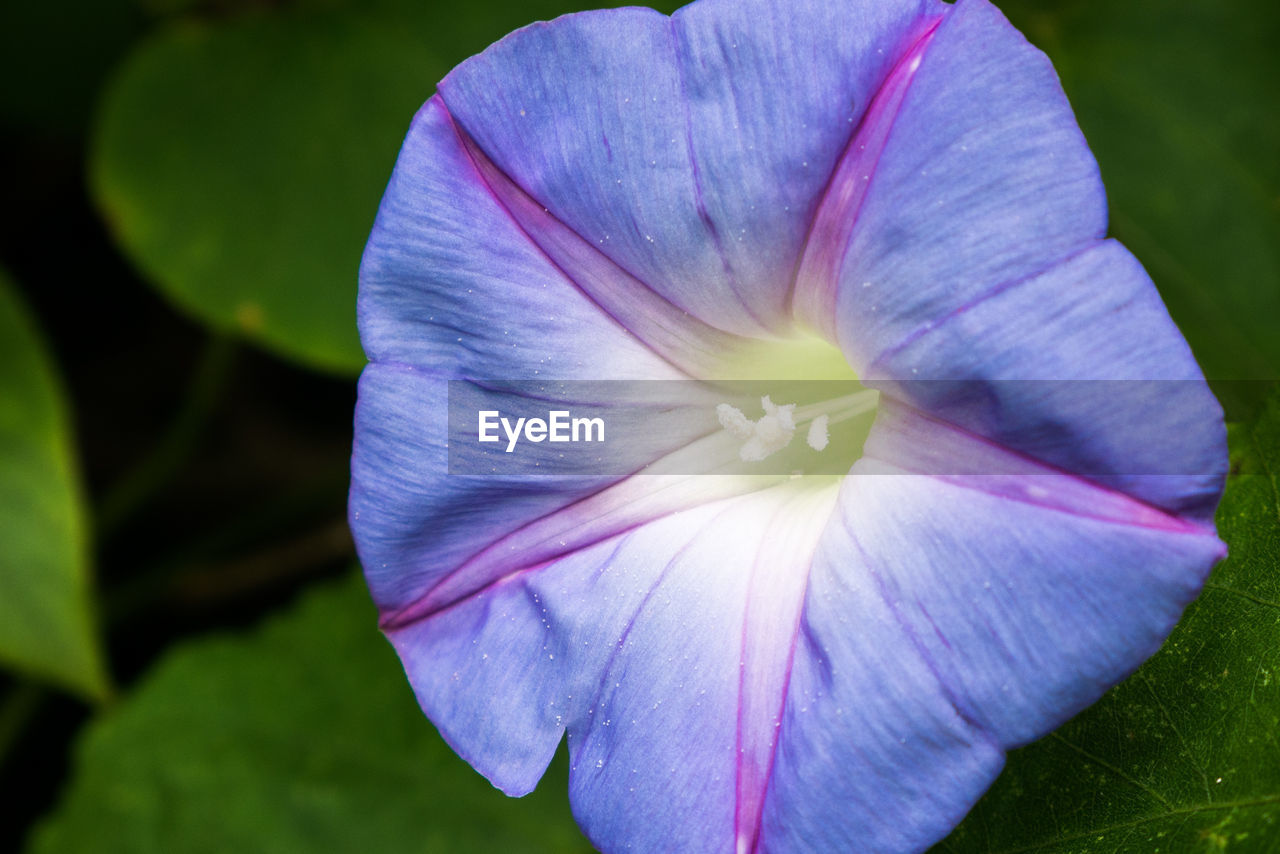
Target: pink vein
974,302
813,290
747,827
911,427
682,340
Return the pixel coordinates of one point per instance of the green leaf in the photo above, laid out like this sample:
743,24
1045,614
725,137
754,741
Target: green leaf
300,737
1178,102
1184,756
46,627
240,165
468,28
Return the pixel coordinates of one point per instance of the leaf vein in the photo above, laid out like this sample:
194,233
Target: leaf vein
1266,467
1242,594
1185,813
1097,760
1186,746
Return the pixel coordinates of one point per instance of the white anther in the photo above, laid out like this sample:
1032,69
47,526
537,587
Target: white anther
732,419
818,437
761,438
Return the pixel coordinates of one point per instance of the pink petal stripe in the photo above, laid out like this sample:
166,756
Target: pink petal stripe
770,627
814,290
912,442
686,342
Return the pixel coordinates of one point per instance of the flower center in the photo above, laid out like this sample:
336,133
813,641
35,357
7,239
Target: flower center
774,431
806,357
795,407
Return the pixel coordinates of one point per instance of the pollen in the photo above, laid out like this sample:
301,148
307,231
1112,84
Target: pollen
818,437
763,437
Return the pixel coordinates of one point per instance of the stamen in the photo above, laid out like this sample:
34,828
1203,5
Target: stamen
818,437
841,408
773,431
761,438
733,420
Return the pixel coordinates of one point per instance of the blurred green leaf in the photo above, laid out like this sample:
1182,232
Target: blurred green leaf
1185,755
240,165
45,617
300,737
454,31
1179,103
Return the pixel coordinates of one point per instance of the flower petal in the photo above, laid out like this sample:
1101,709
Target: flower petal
1030,595
428,538
690,149
950,619
1080,367
984,179
664,652
706,712
451,282
873,754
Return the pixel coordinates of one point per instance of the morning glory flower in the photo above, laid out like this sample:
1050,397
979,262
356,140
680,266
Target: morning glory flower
888,193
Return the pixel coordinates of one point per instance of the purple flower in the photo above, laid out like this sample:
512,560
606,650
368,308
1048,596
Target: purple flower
892,189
